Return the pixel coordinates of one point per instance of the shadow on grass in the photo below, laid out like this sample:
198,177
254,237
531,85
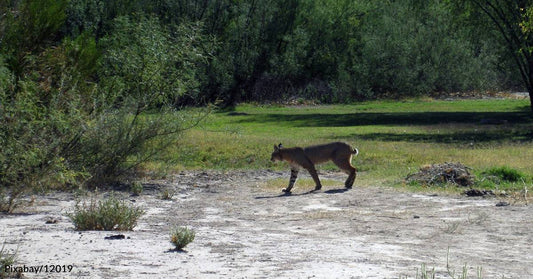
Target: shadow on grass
399,119
480,136
517,125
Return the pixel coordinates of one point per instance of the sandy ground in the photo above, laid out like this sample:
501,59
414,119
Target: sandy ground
245,230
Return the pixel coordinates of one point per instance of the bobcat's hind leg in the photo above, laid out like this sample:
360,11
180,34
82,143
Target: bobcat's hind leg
344,164
294,176
351,178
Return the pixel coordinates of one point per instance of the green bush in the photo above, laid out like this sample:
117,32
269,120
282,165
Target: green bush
144,69
40,124
506,174
77,113
181,236
136,188
107,215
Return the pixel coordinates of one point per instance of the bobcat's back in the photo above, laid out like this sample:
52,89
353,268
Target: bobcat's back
325,152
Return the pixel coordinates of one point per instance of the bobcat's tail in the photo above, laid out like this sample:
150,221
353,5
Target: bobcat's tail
355,151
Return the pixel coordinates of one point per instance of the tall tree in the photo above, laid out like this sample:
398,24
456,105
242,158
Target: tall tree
513,21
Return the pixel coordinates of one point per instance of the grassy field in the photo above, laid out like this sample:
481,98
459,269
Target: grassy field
395,138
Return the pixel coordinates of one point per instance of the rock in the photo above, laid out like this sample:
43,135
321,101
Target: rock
115,237
503,203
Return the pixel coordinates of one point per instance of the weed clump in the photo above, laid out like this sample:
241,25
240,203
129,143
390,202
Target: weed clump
439,174
107,215
6,259
167,194
136,188
504,174
181,236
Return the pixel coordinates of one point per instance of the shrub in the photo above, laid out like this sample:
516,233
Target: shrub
6,260
85,112
108,214
167,194
181,236
143,71
136,188
34,137
505,174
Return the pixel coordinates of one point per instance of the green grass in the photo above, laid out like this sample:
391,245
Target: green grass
395,138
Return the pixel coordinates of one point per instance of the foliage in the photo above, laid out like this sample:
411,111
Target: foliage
107,214
505,173
181,236
331,51
6,260
147,65
68,115
512,19
167,194
145,68
39,124
411,53
136,188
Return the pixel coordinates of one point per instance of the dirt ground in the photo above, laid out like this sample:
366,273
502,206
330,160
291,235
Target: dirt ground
247,230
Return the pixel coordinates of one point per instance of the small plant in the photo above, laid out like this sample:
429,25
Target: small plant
505,174
181,236
5,202
6,260
452,227
10,199
108,214
425,273
136,188
167,194
464,273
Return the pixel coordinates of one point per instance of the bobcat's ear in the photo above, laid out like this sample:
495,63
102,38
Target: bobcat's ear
280,146
275,148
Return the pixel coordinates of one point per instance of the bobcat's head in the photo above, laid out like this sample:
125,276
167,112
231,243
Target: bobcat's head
276,155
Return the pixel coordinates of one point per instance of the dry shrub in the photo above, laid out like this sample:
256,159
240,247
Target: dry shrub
438,174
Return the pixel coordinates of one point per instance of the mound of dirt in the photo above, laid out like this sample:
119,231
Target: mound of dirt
453,173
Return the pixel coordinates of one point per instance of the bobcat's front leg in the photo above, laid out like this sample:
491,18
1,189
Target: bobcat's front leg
294,176
314,175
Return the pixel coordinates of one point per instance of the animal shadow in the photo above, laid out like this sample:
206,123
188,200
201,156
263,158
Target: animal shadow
337,191
284,195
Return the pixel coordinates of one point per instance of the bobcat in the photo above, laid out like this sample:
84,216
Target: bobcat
338,152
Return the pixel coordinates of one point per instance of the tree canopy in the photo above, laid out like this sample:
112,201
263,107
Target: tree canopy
331,51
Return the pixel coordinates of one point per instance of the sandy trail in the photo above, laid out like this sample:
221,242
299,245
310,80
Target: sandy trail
246,231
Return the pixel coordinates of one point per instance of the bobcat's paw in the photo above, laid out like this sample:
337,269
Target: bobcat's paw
284,190
315,190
